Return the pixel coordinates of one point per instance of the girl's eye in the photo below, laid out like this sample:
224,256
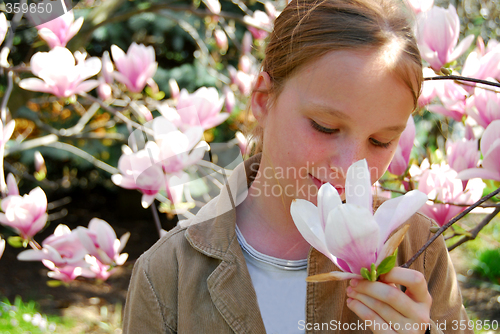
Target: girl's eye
377,143
322,129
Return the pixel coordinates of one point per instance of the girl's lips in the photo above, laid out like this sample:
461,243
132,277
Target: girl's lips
319,183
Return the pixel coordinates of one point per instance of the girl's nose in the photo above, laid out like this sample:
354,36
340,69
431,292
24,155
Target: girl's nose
346,155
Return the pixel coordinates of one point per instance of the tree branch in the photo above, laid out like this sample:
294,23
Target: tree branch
445,226
475,231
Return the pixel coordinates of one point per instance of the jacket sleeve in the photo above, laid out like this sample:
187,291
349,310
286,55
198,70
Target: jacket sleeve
447,311
144,311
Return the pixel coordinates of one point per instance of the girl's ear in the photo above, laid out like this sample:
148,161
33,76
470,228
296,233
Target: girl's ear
260,97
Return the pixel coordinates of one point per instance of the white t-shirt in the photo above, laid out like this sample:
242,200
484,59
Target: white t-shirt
280,286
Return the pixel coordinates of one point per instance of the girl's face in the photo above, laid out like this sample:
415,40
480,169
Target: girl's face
341,108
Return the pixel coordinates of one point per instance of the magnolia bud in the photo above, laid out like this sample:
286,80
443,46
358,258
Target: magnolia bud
174,88
40,168
221,40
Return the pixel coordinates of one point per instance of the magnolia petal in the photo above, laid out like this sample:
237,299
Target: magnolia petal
12,185
146,200
328,199
358,186
478,172
352,235
85,239
123,241
394,212
8,130
2,246
35,84
392,244
215,120
86,86
490,135
332,276
306,218
461,47
121,259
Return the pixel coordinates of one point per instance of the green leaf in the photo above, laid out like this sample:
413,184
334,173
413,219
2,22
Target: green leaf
365,273
15,241
387,264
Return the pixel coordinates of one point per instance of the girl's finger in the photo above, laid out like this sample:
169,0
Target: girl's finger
387,312
414,281
387,294
371,319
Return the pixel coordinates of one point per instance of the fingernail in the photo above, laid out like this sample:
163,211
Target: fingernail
348,301
354,282
349,290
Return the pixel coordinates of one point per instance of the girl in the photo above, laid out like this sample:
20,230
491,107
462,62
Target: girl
339,81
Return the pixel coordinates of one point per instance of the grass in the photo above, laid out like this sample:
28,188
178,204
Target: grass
482,258
24,317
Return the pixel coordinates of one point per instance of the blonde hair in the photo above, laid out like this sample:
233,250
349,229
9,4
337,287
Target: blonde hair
308,29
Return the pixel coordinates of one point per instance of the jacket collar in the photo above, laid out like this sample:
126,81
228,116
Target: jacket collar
218,232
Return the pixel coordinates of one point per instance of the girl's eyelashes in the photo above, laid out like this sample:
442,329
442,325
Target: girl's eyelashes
329,131
380,144
322,129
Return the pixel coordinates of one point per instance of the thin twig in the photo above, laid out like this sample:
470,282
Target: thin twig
86,156
156,218
448,224
460,78
472,234
117,113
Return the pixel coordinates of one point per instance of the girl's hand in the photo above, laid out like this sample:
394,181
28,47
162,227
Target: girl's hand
387,308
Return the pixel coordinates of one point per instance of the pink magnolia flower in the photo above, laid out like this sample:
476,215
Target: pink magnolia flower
453,99
65,273
5,134
136,67
401,158
207,105
107,68
4,26
490,148
213,6
97,269
259,19
221,39
178,150
60,75
230,99
483,106
141,170
246,43
59,31
174,88
437,36
101,242
482,63
104,90
441,183
350,234
419,6
24,214
63,250
463,154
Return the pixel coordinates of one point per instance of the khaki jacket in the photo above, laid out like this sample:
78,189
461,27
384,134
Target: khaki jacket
195,280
